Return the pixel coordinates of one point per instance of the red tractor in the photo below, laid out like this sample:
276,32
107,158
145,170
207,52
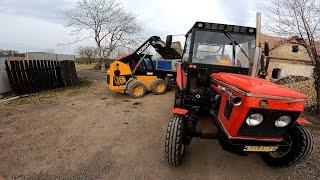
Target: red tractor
221,74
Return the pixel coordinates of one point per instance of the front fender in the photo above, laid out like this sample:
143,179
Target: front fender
303,121
179,111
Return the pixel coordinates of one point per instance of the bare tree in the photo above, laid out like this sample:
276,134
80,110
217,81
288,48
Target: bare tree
301,18
106,22
9,52
88,53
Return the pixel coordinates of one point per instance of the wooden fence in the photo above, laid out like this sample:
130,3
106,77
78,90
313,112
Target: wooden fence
40,75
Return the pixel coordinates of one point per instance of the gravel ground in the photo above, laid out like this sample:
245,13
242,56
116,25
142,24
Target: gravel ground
87,133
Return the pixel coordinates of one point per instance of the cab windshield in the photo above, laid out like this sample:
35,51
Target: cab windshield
224,49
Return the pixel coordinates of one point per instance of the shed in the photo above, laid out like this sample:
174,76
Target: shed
4,81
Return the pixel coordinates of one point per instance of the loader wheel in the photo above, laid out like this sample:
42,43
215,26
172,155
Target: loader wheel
136,89
168,81
174,144
300,144
158,87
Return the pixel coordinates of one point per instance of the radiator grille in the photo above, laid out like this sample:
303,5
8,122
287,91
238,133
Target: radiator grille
267,127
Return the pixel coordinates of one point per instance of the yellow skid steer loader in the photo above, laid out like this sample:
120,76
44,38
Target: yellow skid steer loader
135,74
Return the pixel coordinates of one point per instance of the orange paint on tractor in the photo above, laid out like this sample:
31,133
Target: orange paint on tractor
179,111
256,85
252,92
181,78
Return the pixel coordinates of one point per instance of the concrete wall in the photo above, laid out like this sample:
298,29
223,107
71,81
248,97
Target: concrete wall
288,68
4,81
48,56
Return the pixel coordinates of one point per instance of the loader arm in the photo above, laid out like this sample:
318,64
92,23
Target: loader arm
173,52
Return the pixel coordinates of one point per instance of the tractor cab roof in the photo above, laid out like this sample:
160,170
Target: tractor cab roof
207,26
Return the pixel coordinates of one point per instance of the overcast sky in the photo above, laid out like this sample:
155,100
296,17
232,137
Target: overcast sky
36,25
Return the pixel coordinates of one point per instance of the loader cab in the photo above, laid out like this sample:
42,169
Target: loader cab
143,66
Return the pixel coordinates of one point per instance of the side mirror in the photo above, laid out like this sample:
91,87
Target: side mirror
168,41
266,49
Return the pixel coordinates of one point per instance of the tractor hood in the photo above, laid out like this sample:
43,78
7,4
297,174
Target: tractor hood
255,86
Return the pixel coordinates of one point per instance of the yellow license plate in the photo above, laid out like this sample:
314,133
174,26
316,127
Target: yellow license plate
260,148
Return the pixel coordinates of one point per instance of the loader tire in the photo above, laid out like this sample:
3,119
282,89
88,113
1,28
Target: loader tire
136,89
158,87
302,144
168,81
174,141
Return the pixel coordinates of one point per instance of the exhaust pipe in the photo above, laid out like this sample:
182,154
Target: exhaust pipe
236,101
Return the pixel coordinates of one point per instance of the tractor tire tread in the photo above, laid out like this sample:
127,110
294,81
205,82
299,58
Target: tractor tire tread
130,88
301,149
174,141
153,86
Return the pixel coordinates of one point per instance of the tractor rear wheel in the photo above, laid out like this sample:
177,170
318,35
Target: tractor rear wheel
174,143
136,89
300,144
158,87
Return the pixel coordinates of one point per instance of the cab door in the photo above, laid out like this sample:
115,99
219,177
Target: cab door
145,72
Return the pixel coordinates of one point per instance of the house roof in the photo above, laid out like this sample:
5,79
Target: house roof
276,41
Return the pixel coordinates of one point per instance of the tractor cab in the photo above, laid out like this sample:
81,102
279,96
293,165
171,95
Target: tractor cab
223,47
212,48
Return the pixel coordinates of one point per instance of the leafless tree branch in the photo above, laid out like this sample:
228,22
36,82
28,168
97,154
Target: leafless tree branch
300,18
107,22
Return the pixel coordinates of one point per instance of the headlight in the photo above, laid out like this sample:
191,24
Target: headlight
254,119
282,121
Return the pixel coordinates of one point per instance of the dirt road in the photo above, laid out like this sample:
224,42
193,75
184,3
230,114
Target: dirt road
88,134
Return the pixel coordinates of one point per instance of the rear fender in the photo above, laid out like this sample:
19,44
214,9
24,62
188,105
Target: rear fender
181,78
303,121
180,111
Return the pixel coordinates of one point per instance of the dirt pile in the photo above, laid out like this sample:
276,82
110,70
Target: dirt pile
301,84
291,79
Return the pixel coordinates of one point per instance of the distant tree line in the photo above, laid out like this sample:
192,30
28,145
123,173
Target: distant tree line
10,52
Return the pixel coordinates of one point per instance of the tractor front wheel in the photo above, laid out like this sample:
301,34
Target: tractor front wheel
136,89
174,144
297,145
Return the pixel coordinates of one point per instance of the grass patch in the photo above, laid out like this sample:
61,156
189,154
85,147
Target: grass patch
85,66
79,87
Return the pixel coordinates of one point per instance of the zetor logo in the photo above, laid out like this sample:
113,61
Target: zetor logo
143,48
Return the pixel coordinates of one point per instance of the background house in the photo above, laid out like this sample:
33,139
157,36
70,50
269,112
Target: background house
288,57
289,64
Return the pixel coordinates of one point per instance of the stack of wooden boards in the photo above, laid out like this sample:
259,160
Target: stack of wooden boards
31,76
